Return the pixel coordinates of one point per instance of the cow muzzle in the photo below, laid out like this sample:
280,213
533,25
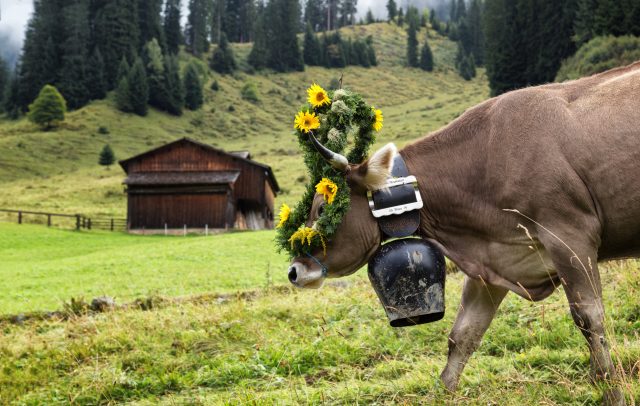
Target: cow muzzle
308,276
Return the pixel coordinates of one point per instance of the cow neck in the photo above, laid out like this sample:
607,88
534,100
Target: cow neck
397,225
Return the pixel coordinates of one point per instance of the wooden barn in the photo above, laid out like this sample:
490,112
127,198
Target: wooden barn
188,183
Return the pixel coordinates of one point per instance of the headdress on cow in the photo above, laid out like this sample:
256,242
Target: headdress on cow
324,126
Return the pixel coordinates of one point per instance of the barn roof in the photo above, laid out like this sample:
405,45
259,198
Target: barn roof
181,178
239,155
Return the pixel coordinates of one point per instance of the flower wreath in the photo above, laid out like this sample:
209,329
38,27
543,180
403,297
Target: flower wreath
333,118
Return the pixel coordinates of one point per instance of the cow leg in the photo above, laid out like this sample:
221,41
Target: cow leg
478,307
578,271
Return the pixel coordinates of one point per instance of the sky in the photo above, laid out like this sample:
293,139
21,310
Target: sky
14,15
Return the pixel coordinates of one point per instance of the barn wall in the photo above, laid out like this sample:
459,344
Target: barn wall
184,157
152,211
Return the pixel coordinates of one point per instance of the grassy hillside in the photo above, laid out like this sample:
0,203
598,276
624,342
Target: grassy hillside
333,346
600,54
58,170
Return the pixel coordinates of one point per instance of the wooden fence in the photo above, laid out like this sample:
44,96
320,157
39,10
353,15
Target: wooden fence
77,221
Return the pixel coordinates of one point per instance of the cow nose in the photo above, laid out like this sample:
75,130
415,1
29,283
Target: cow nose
293,274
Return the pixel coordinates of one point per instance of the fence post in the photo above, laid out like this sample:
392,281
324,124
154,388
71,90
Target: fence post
77,222
48,220
88,224
19,217
185,230
206,229
111,224
165,228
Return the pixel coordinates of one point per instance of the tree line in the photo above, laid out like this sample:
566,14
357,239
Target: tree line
527,40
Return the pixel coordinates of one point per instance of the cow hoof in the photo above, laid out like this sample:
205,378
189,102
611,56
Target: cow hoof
450,383
613,397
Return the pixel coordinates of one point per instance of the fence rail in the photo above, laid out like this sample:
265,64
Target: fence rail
77,221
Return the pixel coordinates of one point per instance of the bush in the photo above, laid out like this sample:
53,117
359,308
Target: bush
103,130
599,55
215,86
107,157
250,92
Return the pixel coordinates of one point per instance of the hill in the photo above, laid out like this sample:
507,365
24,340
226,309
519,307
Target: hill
599,55
58,171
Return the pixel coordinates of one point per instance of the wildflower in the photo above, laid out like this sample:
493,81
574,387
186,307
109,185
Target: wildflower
317,96
377,124
328,189
306,121
285,211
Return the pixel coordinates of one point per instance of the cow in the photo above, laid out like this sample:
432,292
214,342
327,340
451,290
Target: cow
524,192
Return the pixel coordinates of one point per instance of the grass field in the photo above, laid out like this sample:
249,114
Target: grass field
333,346
47,267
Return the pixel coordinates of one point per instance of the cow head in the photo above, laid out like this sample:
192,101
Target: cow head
358,236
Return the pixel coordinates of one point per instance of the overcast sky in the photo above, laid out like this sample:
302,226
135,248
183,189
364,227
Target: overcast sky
15,14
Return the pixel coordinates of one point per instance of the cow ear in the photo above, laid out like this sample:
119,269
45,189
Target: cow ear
373,174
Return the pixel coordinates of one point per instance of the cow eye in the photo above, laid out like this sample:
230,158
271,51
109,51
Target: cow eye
321,210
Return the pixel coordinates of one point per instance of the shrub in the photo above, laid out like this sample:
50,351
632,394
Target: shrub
107,157
250,92
103,130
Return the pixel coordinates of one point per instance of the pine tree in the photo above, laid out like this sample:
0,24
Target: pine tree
172,29
369,19
174,86
426,57
73,76
373,60
412,46
107,157
193,88
48,109
222,60
312,52
400,17
314,14
348,10
4,82
584,28
95,81
259,55
123,96
461,11
474,24
283,49
149,22
158,93
138,88
123,69
413,17
116,33
40,62
392,10
11,102
197,27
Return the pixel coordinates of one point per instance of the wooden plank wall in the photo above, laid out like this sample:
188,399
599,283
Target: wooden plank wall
188,157
152,211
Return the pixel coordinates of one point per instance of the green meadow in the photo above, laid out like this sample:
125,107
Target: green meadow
212,320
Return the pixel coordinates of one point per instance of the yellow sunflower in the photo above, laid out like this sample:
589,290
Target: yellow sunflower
317,96
377,125
327,188
285,211
306,121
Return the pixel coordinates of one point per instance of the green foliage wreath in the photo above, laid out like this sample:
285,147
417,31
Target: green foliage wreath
335,118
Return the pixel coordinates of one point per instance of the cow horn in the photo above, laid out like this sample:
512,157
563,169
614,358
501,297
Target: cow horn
337,161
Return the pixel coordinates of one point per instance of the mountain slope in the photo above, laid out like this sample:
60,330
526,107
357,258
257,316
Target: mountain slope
58,170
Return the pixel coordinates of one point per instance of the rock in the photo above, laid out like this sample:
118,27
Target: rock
103,304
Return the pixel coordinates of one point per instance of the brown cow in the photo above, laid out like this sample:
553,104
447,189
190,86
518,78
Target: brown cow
524,192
